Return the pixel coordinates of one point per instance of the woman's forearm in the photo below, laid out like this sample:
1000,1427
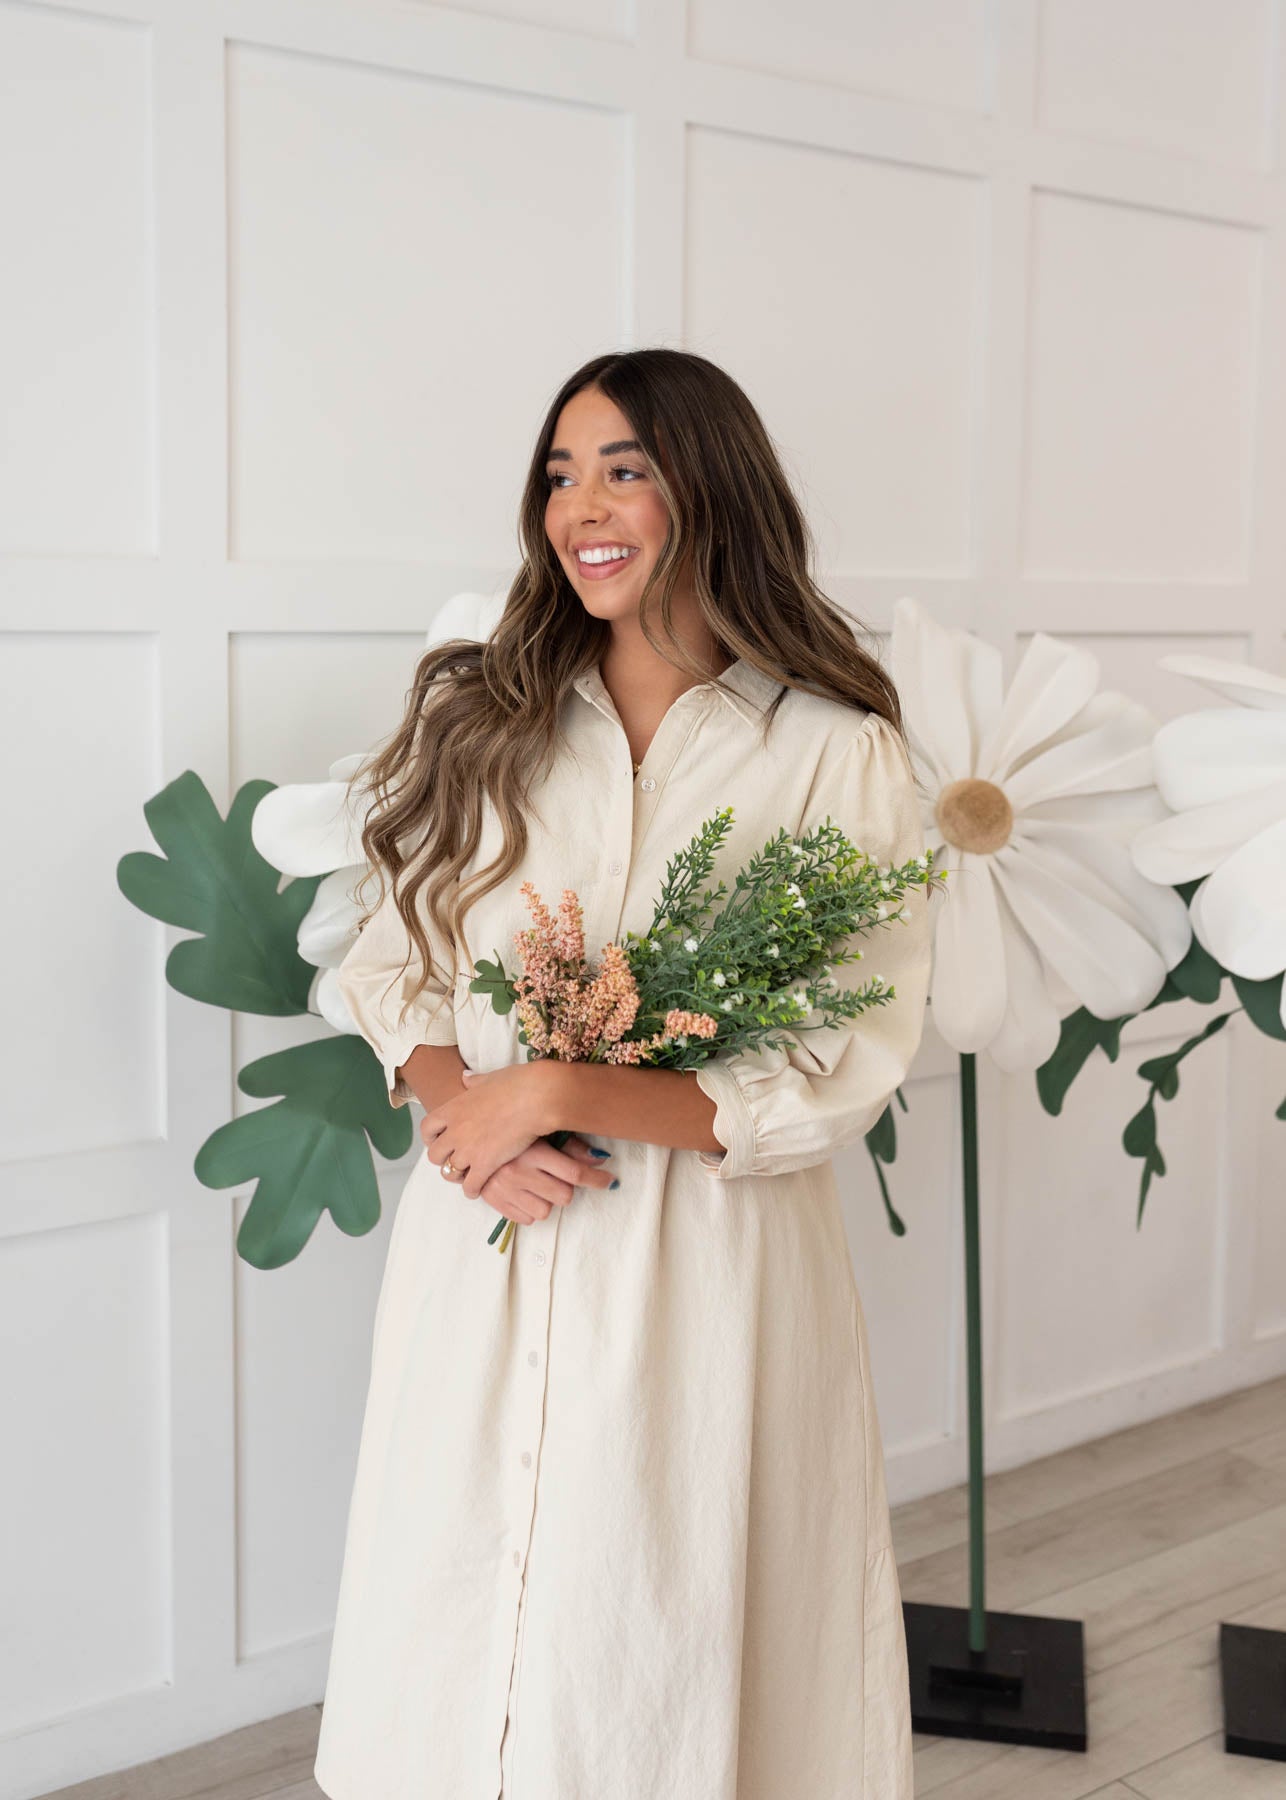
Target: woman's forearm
433,1072
649,1106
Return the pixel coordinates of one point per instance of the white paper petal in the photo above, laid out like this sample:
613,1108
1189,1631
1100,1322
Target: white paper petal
1122,814
1029,1031
1188,845
1240,913
968,958
346,766
1241,682
950,683
1108,963
1216,754
465,615
307,828
1111,749
328,929
1050,686
331,1004
1102,867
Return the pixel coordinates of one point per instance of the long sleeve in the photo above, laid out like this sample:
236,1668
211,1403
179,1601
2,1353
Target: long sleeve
374,988
779,1109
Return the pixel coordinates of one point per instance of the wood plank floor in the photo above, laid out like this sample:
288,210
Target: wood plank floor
1151,1536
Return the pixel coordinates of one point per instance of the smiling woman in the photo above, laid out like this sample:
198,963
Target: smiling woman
619,1525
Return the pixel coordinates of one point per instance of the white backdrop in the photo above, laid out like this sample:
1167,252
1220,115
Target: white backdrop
289,284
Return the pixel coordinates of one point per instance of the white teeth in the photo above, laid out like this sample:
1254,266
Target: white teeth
600,556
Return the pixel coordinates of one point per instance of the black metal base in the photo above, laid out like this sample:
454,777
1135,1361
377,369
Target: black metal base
1252,1669
1026,1687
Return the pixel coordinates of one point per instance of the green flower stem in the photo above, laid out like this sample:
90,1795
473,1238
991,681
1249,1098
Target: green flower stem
973,1330
557,1139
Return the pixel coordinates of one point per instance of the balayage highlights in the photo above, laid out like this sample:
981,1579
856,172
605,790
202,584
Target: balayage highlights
481,720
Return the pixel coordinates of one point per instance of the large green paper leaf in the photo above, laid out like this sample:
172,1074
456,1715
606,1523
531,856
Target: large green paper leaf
212,880
308,1153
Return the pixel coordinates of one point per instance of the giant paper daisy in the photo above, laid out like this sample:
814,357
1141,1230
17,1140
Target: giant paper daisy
315,828
1223,771
1032,796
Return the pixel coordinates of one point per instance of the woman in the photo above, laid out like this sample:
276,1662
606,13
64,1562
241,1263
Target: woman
619,1529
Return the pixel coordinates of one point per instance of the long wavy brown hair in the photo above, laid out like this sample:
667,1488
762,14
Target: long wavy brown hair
482,718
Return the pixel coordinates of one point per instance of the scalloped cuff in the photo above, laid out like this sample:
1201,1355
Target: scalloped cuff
733,1123
440,1029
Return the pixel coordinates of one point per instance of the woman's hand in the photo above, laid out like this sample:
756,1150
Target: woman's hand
524,1188
497,1116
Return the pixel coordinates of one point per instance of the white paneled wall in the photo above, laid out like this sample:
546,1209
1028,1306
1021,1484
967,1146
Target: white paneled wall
289,285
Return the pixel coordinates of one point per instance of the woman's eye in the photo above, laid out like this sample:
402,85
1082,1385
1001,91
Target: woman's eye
554,476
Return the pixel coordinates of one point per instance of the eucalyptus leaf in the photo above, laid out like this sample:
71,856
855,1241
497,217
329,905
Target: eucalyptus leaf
494,982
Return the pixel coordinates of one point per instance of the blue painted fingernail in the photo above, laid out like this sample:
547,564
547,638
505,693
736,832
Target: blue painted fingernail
612,1184
595,1151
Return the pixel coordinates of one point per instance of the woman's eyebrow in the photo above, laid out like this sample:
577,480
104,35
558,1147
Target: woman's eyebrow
613,449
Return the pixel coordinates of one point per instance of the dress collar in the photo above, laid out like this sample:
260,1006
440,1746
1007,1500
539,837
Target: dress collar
746,689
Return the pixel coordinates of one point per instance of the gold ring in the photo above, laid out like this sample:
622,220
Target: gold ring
449,1168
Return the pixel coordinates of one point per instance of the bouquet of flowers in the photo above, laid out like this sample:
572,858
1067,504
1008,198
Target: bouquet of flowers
691,986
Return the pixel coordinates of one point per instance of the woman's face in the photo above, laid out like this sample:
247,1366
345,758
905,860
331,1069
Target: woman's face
602,499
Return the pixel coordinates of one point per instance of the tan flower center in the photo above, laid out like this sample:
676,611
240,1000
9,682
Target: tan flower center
975,815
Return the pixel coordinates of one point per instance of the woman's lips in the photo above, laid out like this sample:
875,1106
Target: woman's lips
601,571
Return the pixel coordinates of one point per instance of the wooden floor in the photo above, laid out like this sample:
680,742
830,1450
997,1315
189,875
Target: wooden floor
1151,1536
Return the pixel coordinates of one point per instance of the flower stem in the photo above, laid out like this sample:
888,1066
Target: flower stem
557,1139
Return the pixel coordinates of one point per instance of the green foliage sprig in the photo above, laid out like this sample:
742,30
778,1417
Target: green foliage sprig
1198,977
759,963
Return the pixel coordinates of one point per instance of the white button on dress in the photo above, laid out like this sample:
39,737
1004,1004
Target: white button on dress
708,1606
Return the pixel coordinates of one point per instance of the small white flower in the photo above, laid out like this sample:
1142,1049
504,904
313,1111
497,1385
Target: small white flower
800,906
792,887
719,978
691,944
774,950
727,1006
772,928
881,912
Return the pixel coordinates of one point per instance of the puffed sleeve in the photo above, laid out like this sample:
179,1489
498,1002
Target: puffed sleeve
785,1108
375,987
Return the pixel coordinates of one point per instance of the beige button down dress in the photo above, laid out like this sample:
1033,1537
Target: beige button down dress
619,1527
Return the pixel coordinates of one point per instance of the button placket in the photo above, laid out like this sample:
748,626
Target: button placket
535,1296
642,811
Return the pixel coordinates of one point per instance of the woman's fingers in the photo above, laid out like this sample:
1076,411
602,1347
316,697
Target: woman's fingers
574,1163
